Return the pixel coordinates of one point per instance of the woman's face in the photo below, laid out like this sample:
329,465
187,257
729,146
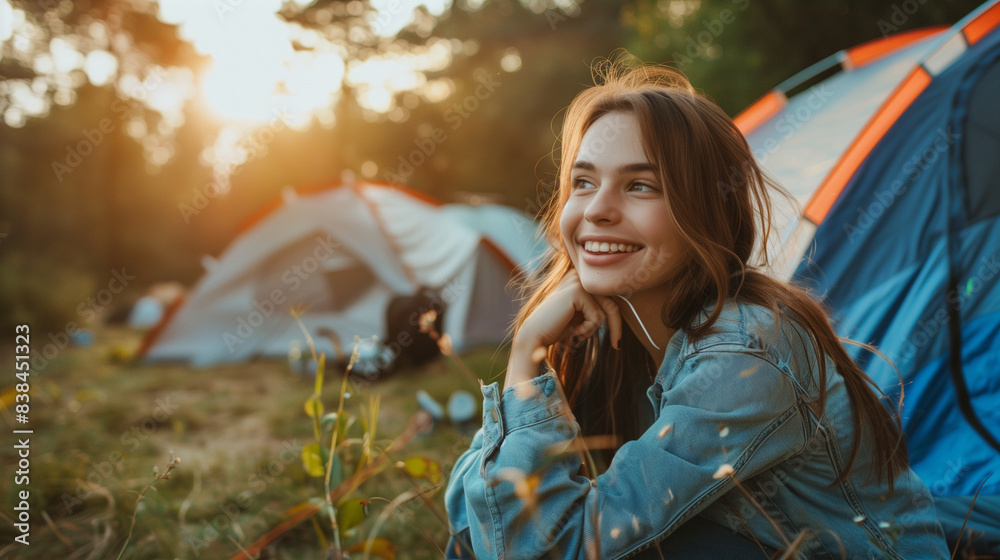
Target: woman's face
615,224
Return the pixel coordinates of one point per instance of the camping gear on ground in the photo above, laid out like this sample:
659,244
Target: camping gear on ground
374,360
895,159
463,411
340,255
146,313
403,317
431,405
82,337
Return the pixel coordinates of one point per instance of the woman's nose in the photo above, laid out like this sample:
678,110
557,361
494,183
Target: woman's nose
603,206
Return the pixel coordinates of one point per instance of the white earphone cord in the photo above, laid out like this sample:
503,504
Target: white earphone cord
640,322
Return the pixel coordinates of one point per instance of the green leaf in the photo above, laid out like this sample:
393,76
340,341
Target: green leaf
346,421
314,407
336,470
320,368
351,513
421,467
312,460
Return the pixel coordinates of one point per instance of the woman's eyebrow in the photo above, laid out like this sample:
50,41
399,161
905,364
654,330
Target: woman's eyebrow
624,168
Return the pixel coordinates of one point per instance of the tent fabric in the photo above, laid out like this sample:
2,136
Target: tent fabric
527,247
341,255
979,159
884,259
907,256
800,144
817,125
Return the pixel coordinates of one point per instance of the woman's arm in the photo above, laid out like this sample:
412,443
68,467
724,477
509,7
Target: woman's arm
729,414
459,545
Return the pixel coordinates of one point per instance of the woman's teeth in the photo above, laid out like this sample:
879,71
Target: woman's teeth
599,247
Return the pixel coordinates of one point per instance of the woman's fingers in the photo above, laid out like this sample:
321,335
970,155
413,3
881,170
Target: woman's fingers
614,318
593,314
573,312
596,310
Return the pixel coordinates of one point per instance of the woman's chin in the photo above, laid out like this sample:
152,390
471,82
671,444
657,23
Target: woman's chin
599,288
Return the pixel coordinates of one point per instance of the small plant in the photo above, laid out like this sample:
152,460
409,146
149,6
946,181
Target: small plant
157,476
344,456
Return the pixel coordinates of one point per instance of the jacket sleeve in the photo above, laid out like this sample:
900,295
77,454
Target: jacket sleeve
727,416
459,545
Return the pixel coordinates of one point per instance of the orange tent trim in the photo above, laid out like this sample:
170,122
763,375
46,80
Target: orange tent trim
872,50
325,185
154,333
983,24
761,110
828,192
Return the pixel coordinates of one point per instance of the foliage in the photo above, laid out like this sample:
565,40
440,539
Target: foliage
736,50
41,292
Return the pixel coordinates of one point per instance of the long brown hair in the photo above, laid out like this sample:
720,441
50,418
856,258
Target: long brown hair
719,201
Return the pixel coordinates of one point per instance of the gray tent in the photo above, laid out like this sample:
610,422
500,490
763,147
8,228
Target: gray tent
340,255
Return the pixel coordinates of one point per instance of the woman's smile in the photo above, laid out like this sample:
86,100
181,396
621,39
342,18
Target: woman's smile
599,251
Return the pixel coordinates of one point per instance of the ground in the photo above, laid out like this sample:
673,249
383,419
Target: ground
101,424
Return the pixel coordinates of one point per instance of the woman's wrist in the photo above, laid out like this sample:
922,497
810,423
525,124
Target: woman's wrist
522,365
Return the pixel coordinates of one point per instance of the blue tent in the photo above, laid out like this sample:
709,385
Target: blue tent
896,160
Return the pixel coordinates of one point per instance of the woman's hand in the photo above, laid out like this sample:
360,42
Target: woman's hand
570,311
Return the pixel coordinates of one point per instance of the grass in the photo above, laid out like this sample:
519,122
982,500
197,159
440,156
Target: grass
101,426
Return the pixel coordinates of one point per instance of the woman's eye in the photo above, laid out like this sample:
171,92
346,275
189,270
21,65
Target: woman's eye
642,187
581,183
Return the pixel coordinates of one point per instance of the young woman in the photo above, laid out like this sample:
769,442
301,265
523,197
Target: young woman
735,423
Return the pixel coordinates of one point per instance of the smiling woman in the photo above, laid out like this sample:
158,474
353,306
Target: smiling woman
615,224
730,421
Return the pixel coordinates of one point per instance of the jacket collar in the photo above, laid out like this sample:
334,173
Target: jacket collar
678,347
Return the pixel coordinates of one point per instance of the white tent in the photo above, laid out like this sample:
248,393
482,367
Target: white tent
340,255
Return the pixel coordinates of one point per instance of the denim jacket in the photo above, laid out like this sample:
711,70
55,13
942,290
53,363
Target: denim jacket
735,435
